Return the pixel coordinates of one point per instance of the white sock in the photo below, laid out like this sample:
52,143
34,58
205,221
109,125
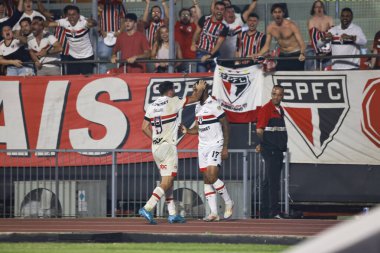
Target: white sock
156,196
222,190
210,195
169,199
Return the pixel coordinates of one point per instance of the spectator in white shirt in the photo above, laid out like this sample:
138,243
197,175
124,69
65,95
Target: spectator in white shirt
44,48
346,39
77,30
28,13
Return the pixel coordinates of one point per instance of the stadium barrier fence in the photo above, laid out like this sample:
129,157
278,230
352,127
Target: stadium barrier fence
116,183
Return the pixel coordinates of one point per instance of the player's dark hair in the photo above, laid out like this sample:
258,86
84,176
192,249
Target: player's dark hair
70,7
277,86
220,3
347,10
184,9
165,87
275,6
312,12
253,15
26,19
38,18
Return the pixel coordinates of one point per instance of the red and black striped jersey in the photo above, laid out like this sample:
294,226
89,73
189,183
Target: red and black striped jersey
109,18
59,33
251,44
211,31
151,32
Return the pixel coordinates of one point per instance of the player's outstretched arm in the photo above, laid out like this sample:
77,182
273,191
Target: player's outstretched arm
197,92
226,136
146,128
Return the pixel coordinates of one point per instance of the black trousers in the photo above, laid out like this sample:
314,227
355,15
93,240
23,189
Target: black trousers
290,65
79,68
270,193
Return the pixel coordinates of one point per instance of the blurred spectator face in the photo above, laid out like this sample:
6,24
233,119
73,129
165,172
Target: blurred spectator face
318,8
229,15
28,5
193,12
278,15
219,12
7,33
227,2
37,27
2,10
185,17
164,34
129,24
345,19
156,14
25,28
72,17
252,23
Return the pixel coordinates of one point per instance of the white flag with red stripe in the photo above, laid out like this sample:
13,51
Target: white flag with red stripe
239,91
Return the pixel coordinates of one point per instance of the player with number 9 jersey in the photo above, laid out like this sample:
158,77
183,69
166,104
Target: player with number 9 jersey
161,125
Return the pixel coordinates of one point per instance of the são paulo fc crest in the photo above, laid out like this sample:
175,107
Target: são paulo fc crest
370,108
234,83
316,106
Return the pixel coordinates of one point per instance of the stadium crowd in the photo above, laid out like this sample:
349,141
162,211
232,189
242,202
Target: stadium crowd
31,34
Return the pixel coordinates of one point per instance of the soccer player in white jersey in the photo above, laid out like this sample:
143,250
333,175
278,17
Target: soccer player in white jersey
212,128
161,126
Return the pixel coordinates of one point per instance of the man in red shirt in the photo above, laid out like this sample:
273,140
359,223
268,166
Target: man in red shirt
273,137
184,31
133,45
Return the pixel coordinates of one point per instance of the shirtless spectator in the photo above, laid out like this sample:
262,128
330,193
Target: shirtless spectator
289,39
375,61
44,49
251,41
77,33
12,54
209,36
133,45
318,25
346,39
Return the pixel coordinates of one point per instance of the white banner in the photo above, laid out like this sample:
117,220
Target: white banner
332,117
239,91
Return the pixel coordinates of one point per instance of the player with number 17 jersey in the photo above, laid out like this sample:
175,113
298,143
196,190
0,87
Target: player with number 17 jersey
208,115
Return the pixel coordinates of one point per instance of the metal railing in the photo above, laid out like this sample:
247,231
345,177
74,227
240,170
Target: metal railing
220,60
100,183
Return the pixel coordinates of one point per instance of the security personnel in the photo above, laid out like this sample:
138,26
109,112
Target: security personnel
273,137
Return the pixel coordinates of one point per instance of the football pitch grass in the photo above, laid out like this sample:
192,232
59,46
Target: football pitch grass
136,247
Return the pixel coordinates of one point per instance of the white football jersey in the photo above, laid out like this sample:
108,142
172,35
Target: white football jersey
209,127
78,37
163,116
46,42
